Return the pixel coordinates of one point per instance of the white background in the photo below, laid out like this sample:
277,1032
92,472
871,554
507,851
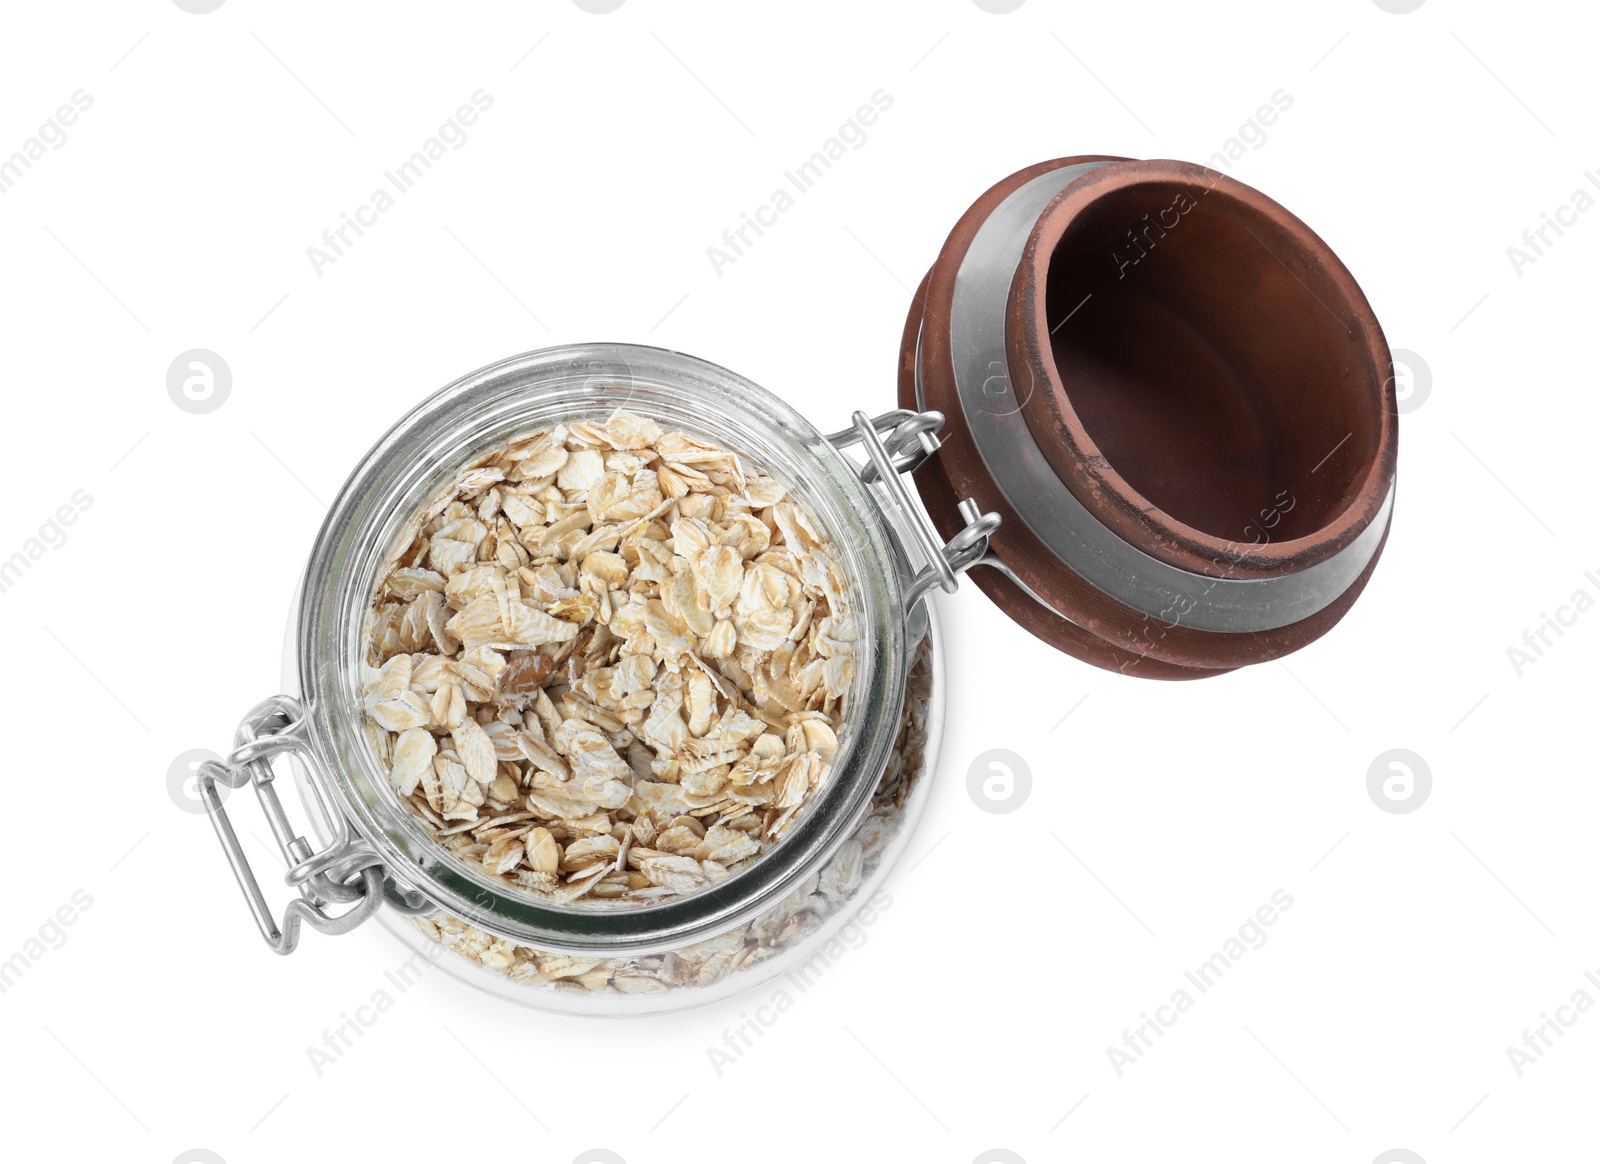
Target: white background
619,147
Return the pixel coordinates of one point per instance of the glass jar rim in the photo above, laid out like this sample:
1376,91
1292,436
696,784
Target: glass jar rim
420,455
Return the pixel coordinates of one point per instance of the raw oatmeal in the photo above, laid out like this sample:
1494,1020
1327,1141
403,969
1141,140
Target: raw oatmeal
822,896
611,664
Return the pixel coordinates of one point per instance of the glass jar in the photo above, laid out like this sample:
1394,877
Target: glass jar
767,918
1127,511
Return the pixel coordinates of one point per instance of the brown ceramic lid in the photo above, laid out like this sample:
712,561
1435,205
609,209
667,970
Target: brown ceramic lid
1177,399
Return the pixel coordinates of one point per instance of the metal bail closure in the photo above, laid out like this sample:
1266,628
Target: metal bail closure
347,872
913,438
1177,398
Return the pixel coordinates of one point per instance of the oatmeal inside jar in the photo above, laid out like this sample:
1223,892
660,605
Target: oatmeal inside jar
610,664
841,886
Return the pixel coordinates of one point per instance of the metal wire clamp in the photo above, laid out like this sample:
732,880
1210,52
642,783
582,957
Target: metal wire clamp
346,872
912,439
